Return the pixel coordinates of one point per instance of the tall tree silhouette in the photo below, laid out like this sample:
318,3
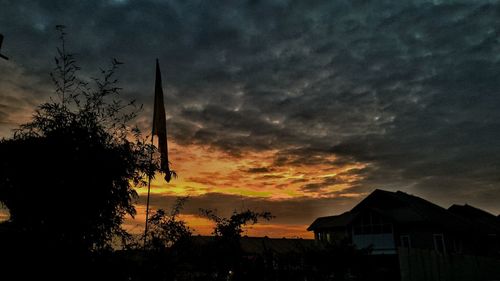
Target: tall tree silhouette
68,174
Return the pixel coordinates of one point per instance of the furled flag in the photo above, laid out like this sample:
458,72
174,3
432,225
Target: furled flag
160,125
2,56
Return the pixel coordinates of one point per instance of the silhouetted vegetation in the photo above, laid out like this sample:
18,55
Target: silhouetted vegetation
166,229
232,227
67,175
229,256
225,253
67,179
175,254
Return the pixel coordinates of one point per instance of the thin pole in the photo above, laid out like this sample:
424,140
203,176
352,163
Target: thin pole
149,191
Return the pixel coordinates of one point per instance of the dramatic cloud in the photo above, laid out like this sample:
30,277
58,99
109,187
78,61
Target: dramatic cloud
296,100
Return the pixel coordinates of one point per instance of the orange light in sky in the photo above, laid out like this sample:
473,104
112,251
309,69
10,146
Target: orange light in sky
203,226
204,170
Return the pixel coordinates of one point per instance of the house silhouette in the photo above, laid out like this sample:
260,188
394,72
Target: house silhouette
386,221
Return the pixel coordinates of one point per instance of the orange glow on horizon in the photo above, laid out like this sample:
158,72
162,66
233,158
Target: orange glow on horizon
204,227
202,170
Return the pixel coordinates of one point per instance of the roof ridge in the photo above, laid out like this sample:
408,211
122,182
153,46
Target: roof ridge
412,199
477,209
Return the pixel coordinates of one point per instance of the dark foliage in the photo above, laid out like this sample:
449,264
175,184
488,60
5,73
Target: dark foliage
166,229
232,227
68,174
226,256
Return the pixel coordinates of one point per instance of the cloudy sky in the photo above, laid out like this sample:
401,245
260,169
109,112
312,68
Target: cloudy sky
300,108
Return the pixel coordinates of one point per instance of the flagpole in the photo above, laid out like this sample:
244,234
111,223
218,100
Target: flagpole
149,192
160,129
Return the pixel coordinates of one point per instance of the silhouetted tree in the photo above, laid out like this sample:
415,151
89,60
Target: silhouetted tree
166,229
169,245
227,252
67,176
232,227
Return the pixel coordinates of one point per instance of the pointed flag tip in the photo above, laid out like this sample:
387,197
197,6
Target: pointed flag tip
157,69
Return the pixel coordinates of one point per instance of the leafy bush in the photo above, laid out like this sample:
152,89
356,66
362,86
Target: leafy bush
68,174
166,229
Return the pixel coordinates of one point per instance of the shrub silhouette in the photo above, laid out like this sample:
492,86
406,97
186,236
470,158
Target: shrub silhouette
226,254
67,176
166,229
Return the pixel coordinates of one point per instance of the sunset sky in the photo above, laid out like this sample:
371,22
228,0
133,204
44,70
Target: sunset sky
300,108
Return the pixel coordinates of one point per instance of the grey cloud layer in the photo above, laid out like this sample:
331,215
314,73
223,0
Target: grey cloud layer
411,88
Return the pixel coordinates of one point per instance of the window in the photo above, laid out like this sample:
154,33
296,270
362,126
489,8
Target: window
439,245
370,223
405,241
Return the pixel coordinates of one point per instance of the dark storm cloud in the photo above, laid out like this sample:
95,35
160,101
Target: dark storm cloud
409,87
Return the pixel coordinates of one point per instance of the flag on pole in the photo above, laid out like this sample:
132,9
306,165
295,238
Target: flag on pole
160,125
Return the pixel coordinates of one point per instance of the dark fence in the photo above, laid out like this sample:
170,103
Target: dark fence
426,265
